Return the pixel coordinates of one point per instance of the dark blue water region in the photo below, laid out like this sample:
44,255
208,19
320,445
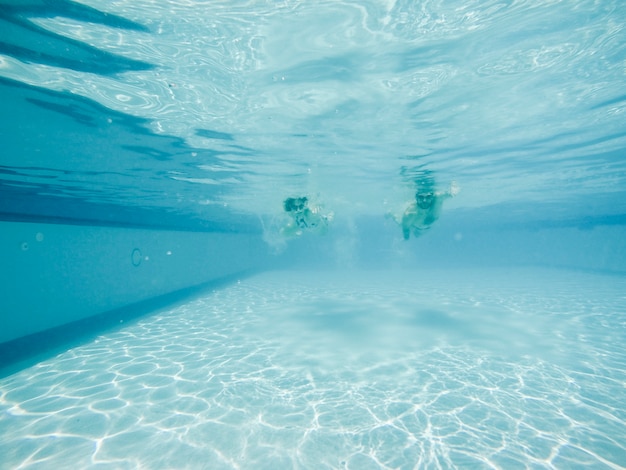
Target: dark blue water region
68,159
25,204
28,42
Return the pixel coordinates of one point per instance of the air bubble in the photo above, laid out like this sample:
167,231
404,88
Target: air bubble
24,246
39,237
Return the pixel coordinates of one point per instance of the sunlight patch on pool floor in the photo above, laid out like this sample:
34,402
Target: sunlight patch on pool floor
444,369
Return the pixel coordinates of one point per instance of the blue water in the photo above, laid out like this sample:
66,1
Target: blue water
133,129
207,107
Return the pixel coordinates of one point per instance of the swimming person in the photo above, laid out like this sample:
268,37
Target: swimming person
304,217
425,210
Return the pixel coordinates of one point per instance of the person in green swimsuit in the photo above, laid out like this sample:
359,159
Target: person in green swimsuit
425,210
304,217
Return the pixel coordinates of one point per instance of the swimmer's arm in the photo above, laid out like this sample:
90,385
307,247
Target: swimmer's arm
409,211
452,191
396,218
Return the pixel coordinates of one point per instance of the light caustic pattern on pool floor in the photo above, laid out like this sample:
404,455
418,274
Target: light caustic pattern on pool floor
323,370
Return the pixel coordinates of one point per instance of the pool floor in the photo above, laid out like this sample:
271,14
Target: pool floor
492,368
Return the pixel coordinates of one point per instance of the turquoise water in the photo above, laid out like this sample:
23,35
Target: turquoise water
237,104
493,340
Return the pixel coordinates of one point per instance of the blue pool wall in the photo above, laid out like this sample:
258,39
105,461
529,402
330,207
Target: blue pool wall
55,274
454,242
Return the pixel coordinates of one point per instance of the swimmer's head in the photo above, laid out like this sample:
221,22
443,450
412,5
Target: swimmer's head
424,189
294,204
424,199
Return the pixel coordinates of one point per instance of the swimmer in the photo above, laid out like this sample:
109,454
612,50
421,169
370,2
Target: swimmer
304,217
425,210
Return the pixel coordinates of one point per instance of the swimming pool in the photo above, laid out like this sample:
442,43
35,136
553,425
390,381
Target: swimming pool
313,235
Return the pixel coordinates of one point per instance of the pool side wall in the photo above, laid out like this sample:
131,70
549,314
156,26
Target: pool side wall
52,275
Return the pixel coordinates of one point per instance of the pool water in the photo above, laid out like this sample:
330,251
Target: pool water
305,369
160,307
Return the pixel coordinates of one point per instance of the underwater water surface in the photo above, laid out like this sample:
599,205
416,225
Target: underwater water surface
219,110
